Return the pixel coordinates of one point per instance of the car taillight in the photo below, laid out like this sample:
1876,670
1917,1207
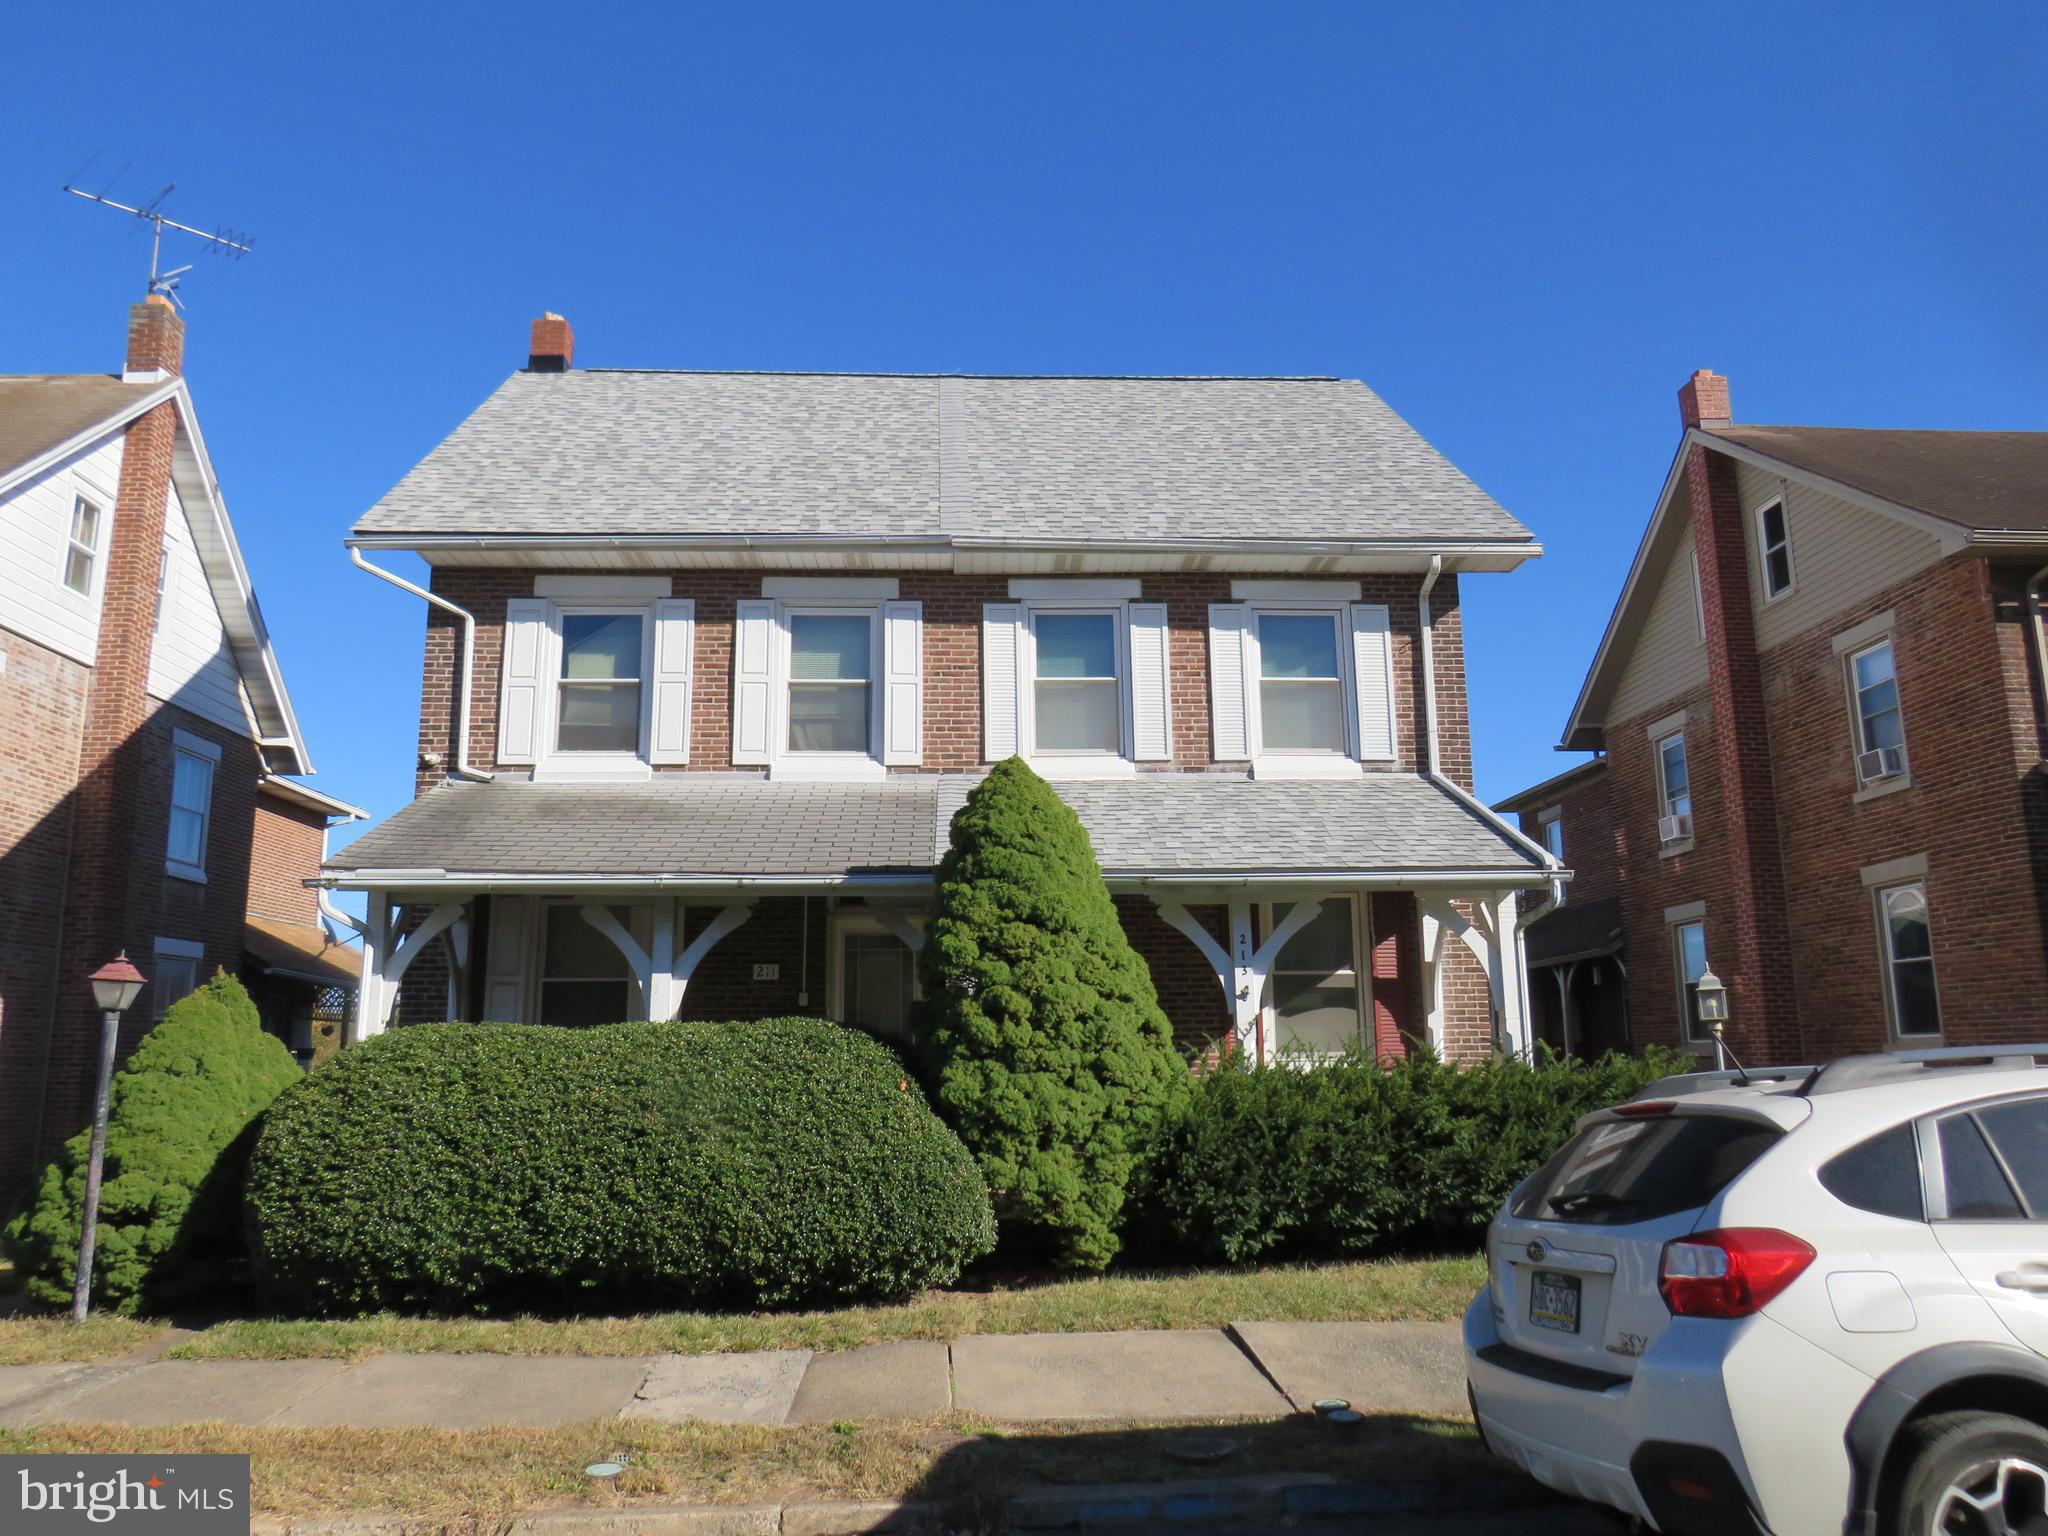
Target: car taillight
1729,1271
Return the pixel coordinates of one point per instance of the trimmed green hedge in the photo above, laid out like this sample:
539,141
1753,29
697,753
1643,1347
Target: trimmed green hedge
182,1112
1351,1158
471,1166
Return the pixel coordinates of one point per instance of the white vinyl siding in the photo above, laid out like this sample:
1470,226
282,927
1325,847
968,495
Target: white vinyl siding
1845,555
190,664
1667,660
35,537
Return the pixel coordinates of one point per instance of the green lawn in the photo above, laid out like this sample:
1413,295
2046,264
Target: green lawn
1408,1289
479,1477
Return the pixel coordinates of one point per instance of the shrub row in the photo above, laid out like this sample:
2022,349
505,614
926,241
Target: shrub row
463,1166
1350,1158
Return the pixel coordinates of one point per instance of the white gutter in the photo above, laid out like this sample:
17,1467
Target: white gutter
2040,638
462,769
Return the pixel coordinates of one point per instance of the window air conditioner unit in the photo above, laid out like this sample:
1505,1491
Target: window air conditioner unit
1674,829
1884,763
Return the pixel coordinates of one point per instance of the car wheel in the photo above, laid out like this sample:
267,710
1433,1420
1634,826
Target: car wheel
1975,1474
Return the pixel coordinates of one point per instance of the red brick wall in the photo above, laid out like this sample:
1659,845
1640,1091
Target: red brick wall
42,715
1188,989
284,852
1592,836
952,663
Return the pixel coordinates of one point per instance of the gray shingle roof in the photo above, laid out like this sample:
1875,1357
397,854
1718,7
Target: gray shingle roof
719,824
40,410
891,456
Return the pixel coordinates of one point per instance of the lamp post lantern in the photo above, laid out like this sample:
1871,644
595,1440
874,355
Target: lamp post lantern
114,987
1712,994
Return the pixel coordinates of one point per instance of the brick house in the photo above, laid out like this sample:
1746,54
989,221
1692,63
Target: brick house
1820,716
144,729
711,659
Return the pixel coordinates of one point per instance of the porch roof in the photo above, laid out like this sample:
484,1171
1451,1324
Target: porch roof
712,826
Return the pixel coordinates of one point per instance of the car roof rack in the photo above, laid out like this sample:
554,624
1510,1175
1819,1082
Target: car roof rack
1683,1083
1901,1066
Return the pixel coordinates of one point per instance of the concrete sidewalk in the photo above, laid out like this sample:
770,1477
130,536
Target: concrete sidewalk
1250,1370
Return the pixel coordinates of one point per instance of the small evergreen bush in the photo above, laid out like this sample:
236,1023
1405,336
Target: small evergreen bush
182,1113
1048,1049
463,1167
1351,1158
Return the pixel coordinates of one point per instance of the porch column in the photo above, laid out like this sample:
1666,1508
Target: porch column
385,962
1492,935
664,971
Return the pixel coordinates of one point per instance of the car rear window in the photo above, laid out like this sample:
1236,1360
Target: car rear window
1881,1175
1621,1171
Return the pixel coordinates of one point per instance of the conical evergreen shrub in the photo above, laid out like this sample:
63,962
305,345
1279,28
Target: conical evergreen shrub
182,1115
1047,1047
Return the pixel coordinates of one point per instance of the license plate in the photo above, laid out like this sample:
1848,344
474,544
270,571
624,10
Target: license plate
1554,1301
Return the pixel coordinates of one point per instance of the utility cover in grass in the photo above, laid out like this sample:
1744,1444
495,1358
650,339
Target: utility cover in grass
1048,1048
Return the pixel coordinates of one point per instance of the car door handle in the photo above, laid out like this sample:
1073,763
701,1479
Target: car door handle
2032,1278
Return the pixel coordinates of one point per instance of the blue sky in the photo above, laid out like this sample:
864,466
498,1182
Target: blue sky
1522,225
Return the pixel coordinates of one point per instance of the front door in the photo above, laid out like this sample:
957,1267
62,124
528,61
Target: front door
875,978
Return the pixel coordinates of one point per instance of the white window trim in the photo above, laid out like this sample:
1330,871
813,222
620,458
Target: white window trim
184,743
1872,789
1763,550
173,949
1361,967
1069,764
1684,844
92,552
1887,963
789,764
551,762
1343,764
1672,927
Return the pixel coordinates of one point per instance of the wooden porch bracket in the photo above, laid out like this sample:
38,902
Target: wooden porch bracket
385,962
664,975
1242,969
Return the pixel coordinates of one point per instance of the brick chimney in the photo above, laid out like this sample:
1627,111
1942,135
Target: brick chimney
1703,400
553,348
156,337
1747,932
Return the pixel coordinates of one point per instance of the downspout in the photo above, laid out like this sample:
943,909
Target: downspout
1433,770
462,768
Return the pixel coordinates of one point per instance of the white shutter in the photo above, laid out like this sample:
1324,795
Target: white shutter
521,678
1228,732
753,680
1151,735
902,682
675,643
999,625
1372,662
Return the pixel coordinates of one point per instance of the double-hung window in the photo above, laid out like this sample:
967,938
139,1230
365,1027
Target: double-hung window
82,549
597,687
1077,689
1774,549
831,706
1880,729
1674,788
193,762
175,973
1301,682
1905,939
1689,955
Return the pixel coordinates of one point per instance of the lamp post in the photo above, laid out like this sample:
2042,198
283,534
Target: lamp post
114,986
1712,995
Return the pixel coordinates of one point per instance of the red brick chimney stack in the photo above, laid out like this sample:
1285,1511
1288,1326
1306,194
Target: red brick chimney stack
156,337
553,348
1703,400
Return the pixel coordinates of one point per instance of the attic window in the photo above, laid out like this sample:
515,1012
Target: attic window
83,551
1775,544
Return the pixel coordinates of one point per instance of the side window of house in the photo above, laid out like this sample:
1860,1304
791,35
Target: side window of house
1699,597
174,974
1905,939
1689,955
1074,678
1880,729
1674,782
163,576
1774,549
193,763
82,549
1550,824
1301,686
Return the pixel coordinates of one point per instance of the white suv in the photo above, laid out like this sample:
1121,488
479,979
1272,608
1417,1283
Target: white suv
1795,1300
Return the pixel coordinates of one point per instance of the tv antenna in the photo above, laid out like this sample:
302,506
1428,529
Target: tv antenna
232,243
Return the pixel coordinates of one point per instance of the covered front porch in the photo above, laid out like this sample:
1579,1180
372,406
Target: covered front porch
1277,919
